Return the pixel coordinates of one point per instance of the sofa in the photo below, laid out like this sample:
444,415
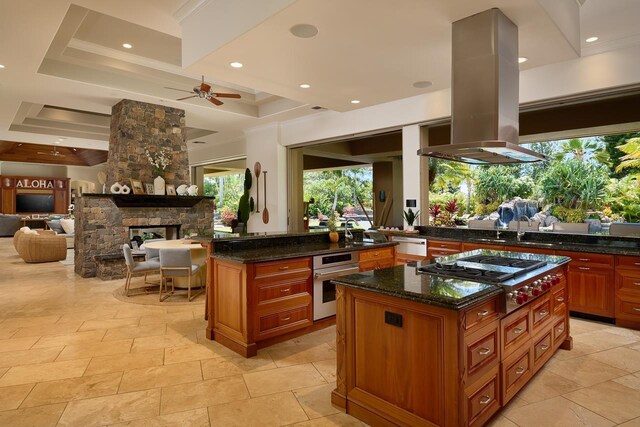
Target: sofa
64,227
40,246
9,224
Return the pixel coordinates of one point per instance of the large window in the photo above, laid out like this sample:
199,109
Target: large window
227,189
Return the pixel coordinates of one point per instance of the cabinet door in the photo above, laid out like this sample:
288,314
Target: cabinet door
591,291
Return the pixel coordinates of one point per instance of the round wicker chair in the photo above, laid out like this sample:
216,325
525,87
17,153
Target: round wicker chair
42,247
19,233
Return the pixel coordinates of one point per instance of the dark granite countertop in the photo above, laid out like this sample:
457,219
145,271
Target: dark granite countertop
278,252
406,282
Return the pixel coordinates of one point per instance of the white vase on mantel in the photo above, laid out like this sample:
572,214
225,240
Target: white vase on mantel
158,186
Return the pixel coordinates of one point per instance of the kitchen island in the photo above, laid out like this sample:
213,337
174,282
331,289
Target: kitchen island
425,349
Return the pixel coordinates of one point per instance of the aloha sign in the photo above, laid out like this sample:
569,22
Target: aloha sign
34,183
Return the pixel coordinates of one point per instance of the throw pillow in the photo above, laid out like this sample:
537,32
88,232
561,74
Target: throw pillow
30,232
55,226
23,229
68,225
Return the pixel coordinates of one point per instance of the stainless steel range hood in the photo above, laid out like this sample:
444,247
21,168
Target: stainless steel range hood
484,93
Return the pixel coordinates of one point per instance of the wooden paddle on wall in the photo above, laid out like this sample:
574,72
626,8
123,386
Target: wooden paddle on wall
256,169
265,212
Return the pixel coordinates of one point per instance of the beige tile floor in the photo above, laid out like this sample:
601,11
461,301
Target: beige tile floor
73,355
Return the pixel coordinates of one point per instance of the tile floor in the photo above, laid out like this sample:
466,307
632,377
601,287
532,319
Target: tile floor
73,355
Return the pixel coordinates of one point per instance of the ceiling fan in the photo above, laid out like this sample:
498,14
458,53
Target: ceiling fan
204,91
53,152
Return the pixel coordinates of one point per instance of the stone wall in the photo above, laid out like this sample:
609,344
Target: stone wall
101,227
137,126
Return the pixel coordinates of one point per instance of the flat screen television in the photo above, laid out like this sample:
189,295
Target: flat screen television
34,203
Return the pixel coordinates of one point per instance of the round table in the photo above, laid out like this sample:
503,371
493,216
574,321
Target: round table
198,256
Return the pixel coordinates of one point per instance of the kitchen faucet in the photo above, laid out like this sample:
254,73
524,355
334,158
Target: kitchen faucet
520,234
348,235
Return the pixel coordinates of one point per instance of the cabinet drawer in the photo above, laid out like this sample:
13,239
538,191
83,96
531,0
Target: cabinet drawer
277,323
558,298
481,352
515,331
516,371
268,292
376,254
542,350
628,308
277,269
628,261
541,312
588,259
437,253
629,281
480,314
376,264
441,244
559,331
481,404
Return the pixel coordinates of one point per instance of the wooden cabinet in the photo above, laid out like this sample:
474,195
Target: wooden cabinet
516,370
528,249
470,246
591,283
440,248
376,259
255,302
627,305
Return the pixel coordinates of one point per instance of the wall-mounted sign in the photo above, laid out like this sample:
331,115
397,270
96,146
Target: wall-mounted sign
34,183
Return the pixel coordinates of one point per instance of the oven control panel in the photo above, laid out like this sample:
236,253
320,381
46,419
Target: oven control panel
526,293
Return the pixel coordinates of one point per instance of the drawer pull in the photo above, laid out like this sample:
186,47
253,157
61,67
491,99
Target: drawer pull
636,283
543,347
484,400
560,299
284,267
518,331
285,290
484,351
520,370
483,313
636,263
584,268
584,259
286,318
636,308
543,313
560,330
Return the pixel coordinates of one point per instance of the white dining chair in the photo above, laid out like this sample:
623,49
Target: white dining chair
176,262
134,267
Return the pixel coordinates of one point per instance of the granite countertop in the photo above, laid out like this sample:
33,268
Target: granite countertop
407,283
275,253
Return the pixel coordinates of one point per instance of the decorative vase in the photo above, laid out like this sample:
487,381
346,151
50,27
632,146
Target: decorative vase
410,228
158,186
334,236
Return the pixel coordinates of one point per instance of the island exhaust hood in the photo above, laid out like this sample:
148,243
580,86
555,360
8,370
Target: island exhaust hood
484,93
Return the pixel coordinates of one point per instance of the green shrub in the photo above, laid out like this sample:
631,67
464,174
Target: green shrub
482,209
574,184
624,198
568,214
501,183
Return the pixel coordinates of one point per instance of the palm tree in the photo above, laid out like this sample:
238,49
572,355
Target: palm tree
632,154
581,148
451,175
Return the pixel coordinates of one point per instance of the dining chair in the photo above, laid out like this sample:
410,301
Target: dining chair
152,254
176,262
134,267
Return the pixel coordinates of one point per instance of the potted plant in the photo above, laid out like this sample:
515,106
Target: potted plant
410,216
332,224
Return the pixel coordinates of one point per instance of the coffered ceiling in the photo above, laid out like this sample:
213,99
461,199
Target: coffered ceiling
65,64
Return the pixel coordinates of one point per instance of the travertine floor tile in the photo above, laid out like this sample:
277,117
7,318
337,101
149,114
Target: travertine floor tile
340,419
297,354
73,389
610,399
93,325
160,376
501,421
585,371
14,344
122,362
633,423
111,409
228,366
168,318
202,393
581,326
25,322
162,341
69,339
556,412
29,357
316,400
11,397
54,329
84,350
7,333
327,369
134,332
44,372
619,357
631,381
282,379
275,410
186,353
41,416
605,339
194,418
545,385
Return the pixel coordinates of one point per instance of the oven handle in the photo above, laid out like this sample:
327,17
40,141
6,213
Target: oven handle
336,273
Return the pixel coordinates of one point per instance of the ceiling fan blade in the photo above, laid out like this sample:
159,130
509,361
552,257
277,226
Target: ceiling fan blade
216,101
181,90
226,95
204,87
187,97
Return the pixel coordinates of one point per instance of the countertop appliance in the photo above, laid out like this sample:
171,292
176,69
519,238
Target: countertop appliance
326,268
523,280
410,245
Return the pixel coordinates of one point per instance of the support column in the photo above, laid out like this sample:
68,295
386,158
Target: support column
411,170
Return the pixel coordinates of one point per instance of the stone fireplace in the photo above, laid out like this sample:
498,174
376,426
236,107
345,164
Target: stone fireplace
162,231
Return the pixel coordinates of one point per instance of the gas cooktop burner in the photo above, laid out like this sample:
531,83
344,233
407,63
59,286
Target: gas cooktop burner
483,268
525,264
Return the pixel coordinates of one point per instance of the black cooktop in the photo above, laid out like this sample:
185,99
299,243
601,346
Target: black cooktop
483,268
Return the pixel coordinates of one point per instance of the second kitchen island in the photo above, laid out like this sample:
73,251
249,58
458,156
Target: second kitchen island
419,348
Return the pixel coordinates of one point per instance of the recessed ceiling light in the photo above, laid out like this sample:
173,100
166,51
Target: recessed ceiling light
127,45
304,31
522,59
236,64
57,142
60,139
1,66
591,39
422,84
355,101
305,86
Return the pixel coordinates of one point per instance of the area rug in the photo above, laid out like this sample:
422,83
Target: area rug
148,295
70,258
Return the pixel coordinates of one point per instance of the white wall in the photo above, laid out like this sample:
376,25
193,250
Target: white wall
86,174
411,167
